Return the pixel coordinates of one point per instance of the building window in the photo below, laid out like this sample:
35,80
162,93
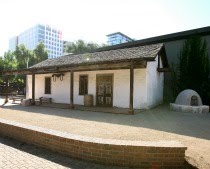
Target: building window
83,84
47,85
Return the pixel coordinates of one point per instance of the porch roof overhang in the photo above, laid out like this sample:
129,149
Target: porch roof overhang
76,68
105,60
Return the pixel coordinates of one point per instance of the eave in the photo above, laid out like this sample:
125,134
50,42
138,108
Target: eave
77,68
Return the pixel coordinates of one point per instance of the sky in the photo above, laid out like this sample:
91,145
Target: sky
92,20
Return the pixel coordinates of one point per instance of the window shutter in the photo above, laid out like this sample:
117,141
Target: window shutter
83,85
47,85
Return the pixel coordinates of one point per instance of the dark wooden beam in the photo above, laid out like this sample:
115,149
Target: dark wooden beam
88,67
72,90
131,111
33,89
113,66
163,69
16,72
6,90
158,61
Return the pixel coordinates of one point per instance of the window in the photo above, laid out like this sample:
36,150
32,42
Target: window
41,27
54,31
40,31
47,85
48,28
83,84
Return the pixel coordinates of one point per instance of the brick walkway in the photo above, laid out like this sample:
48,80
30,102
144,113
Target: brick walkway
17,155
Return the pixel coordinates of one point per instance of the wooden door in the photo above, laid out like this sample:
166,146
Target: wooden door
104,90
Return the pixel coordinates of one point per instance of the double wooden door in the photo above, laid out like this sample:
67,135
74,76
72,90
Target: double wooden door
104,90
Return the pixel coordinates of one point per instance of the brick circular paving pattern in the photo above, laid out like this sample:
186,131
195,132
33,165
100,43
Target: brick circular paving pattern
15,154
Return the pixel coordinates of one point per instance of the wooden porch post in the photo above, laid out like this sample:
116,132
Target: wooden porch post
33,89
6,89
72,90
131,111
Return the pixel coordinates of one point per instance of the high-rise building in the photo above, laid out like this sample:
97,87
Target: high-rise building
52,39
13,42
118,38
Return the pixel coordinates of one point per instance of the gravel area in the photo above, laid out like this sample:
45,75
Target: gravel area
192,130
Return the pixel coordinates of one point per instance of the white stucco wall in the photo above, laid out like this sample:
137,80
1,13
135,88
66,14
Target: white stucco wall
148,87
121,87
60,92
155,84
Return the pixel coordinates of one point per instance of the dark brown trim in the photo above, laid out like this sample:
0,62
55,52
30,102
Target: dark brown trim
72,90
158,61
104,74
131,111
163,57
163,69
33,89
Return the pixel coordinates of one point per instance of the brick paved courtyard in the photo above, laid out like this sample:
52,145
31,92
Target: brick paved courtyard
15,154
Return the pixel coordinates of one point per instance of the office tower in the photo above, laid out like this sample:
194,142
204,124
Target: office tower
51,37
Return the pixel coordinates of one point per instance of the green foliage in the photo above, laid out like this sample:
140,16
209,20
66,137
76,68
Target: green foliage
26,58
81,46
1,64
40,53
1,67
23,56
9,61
193,68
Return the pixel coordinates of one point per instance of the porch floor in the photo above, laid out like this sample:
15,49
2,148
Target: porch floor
115,110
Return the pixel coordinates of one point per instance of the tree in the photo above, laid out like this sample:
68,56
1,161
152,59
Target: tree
1,67
26,58
81,46
19,59
1,64
40,53
23,56
193,67
9,61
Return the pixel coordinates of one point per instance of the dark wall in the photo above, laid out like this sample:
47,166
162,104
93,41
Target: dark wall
172,50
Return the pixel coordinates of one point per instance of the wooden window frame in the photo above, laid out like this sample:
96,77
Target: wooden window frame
80,90
45,91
